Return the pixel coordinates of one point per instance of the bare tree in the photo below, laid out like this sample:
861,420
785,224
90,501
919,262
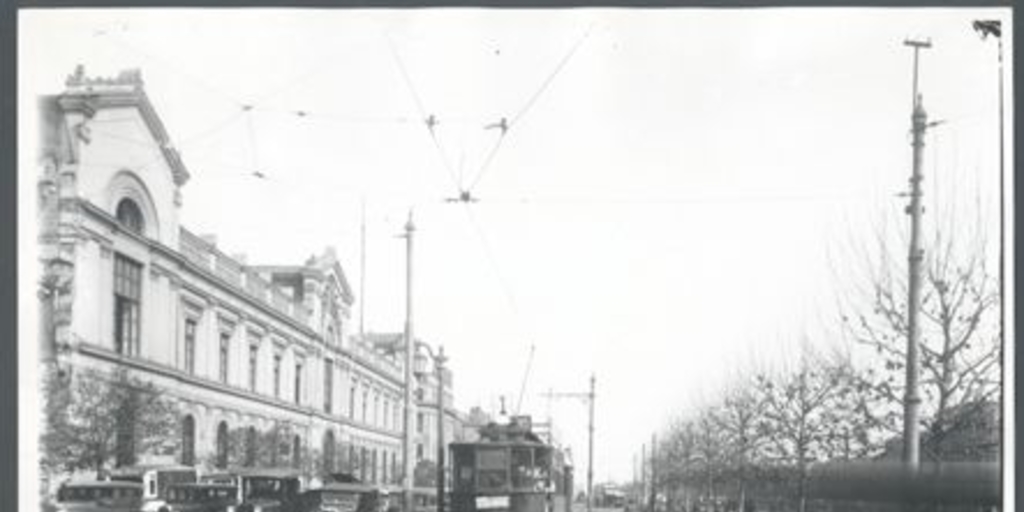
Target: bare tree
960,342
742,420
677,460
710,450
798,408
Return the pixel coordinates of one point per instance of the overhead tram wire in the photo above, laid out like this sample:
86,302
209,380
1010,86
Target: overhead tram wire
429,120
177,69
509,124
502,282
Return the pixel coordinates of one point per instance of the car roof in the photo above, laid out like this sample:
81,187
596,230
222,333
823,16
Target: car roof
203,485
142,468
349,487
264,472
105,484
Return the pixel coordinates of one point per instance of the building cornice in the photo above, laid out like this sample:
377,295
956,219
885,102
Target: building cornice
208,276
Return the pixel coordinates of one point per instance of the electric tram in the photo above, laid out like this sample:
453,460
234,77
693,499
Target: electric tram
510,470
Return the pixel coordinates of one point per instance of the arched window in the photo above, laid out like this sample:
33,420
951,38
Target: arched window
329,452
188,440
222,445
297,452
129,215
250,447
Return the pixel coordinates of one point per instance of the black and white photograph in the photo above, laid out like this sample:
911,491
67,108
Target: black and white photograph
515,260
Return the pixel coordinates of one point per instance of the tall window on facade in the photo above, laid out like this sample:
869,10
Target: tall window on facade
254,351
277,375
366,400
298,382
225,352
387,413
297,452
352,400
129,215
127,299
419,422
376,408
124,437
363,462
329,452
222,445
188,440
394,467
250,446
419,452
373,460
328,384
190,345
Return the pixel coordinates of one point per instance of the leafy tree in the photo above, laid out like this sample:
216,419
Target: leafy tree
93,419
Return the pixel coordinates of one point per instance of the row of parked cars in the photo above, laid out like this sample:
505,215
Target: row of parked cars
183,489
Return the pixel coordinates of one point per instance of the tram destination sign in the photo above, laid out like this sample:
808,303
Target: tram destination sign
491,502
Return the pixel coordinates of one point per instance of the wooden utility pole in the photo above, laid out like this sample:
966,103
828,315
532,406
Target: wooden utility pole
590,443
410,355
643,478
441,448
912,399
654,473
590,396
362,270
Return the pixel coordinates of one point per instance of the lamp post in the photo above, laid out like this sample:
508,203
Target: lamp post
407,439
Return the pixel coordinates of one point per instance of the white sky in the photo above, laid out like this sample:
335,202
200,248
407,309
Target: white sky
662,215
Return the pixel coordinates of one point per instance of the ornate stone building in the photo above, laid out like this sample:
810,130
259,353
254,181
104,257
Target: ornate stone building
245,351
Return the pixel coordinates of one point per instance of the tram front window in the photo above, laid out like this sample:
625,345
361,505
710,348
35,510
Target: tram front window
492,469
523,472
530,468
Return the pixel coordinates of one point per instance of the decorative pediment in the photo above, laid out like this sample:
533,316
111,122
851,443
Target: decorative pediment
89,94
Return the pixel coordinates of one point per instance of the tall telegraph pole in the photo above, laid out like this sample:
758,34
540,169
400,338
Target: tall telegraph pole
362,269
590,449
590,397
410,345
441,448
654,473
643,478
912,400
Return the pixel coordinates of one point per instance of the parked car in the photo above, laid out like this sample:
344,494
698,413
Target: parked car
345,497
155,480
201,497
100,496
267,490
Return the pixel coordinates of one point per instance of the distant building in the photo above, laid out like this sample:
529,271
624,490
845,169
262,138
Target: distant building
426,399
242,349
971,432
